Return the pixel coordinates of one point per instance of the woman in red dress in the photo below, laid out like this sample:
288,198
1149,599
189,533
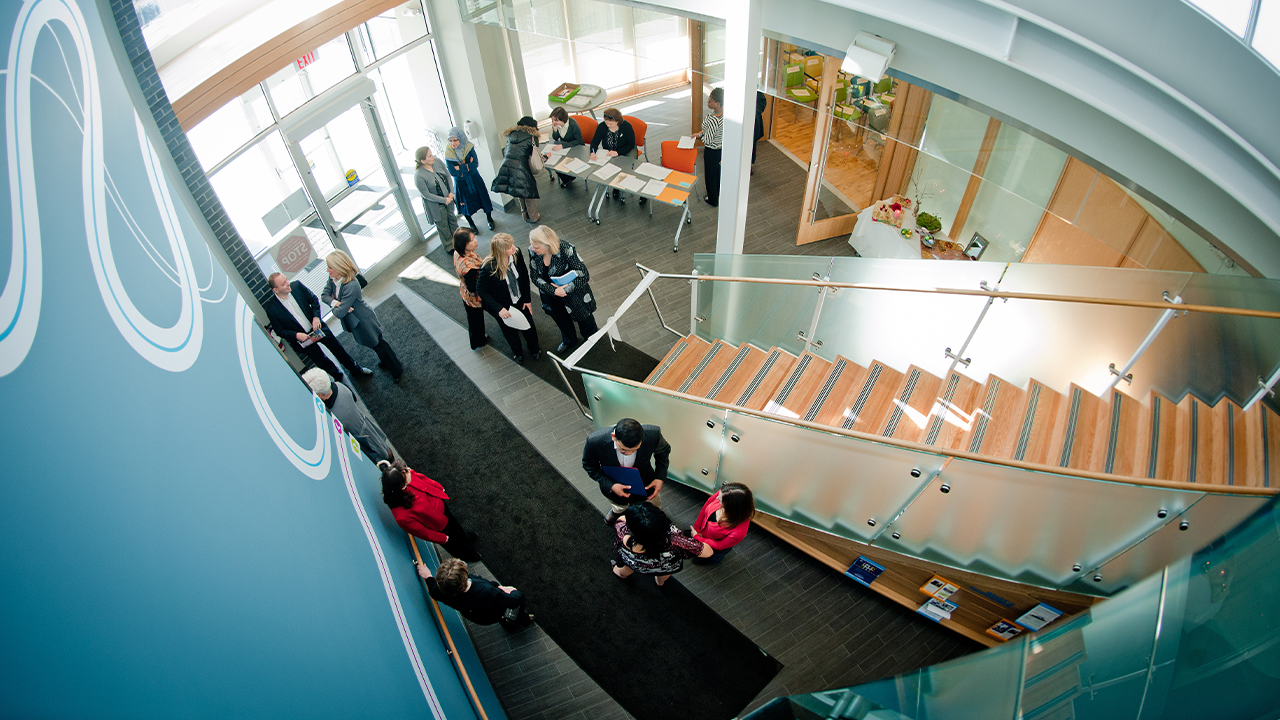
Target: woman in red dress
724,520
418,504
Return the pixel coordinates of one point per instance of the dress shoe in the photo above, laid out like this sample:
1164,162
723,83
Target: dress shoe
362,371
644,200
518,358
536,354
712,203
562,348
491,225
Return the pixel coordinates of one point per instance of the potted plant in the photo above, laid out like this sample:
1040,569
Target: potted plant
929,223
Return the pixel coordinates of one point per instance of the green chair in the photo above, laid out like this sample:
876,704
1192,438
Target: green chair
885,85
793,75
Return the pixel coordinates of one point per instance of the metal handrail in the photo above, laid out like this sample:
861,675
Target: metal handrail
1161,305
936,450
444,630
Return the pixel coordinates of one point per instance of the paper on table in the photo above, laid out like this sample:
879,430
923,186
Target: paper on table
588,91
553,152
632,184
578,102
686,142
600,158
577,166
604,173
653,171
654,188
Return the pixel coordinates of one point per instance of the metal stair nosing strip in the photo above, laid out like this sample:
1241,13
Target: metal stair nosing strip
1155,437
1231,446
904,398
832,378
988,406
759,378
1117,401
1069,440
702,365
743,352
666,363
863,395
1266,451
935,427
1028,421
1195,439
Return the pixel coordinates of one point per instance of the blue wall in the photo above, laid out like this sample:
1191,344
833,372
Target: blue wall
161,554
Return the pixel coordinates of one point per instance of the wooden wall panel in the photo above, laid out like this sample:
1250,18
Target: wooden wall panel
1058,242
1110,215
1073,187
241,74
1156,249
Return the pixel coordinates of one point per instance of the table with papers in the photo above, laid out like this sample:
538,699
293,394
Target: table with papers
628,174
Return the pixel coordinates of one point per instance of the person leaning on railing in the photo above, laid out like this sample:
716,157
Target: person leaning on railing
483,602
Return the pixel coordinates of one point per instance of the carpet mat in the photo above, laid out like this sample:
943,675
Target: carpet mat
621,360
660,652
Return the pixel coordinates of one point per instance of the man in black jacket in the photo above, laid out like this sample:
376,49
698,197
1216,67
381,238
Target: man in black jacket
295,315
627,444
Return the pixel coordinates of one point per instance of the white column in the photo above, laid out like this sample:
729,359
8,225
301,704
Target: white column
742,64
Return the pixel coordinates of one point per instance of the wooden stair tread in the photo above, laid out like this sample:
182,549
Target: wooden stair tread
1201,445
954,411
868,402
737,374
709,369
1271,444
826,408
766,379
997,419
1127,418
665,364
1084,440
793,395
1249,451
683,364
913,403
1043,422
1157,462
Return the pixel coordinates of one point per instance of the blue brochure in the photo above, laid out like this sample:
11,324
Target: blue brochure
864,570
627,476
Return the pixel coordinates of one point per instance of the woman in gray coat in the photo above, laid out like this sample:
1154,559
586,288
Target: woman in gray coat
343,294
436,187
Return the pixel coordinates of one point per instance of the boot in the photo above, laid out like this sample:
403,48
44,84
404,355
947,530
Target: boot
491,225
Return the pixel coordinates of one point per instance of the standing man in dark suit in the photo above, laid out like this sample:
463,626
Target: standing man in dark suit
627,444
295,314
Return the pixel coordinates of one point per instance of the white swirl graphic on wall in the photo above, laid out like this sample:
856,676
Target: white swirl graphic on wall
174,348
314,463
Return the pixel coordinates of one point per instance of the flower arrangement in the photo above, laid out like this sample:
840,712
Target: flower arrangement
891,210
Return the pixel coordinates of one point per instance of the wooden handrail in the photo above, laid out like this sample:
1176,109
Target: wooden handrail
1213,309
935,450
444,630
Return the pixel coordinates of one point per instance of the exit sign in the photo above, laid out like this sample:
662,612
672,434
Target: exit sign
306,60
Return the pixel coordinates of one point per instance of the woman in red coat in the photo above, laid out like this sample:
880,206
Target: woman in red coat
724,520
418,504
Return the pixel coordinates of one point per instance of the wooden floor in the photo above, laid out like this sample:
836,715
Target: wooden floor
828,631
853,158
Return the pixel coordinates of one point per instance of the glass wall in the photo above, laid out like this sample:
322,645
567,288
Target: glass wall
344,184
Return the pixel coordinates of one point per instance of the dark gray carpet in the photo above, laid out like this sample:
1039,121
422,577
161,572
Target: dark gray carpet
660,652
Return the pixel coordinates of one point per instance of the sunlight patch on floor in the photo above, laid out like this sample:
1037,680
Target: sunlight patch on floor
427,270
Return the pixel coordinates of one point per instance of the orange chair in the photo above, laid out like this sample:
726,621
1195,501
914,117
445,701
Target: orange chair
587,126
641,129
680,160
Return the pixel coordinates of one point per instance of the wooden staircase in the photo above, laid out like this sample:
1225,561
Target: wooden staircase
1155,438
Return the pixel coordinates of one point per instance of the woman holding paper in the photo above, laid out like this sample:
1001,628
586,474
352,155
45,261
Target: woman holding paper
503,288
614,137
515,177
565,134
562,280
464,166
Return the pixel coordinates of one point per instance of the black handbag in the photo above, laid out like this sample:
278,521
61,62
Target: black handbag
363,283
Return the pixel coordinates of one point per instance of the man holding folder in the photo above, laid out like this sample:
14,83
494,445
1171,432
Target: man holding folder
630,462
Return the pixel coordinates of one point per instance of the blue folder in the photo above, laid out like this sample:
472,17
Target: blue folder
627,476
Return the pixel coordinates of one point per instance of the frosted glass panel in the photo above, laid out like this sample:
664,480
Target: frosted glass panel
953,133
763,315
1024,165
939,187
1005,220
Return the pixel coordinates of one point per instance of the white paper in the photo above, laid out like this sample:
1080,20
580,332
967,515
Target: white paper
561,151
600,158
654,188
653,171
576,166
686,142
632,184
578,101
516,320
604,173
588,91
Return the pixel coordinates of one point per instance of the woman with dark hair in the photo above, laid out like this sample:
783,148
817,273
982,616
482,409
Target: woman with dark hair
564,284
614,137
724,520
466,263
565,133
516,177
647,542
503,287
418,504
464,165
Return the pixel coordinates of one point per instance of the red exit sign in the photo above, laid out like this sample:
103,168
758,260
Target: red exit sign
306,60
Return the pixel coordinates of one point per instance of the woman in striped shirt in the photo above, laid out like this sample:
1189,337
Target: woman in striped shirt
712,142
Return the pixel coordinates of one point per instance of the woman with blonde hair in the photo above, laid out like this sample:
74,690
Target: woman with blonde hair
503,288
562,281
343,293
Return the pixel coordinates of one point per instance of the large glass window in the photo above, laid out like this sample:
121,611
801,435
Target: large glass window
392,30
230,127
294,85
262,193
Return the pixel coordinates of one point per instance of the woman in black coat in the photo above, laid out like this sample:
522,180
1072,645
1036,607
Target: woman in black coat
515,177
569,300
565,133
615,137
503,287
